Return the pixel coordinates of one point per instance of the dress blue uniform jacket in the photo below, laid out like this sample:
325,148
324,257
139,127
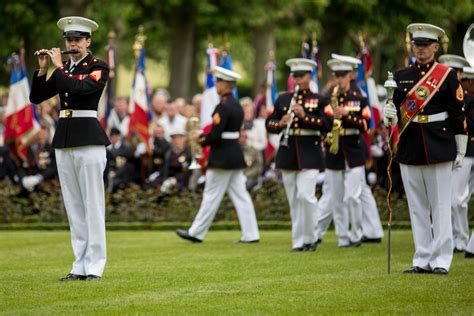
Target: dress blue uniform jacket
430,143
469,110
352,148
303,152
79,90
225,153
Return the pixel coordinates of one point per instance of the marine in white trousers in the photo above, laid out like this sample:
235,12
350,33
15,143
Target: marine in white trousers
371,225
218,182
81,172
428,189
345,191
300,188
461,194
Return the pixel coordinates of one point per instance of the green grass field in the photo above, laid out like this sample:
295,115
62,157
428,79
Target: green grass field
157,273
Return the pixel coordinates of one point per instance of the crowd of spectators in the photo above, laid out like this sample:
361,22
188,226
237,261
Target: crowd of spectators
163,164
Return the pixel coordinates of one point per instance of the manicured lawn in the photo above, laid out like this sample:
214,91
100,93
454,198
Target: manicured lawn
157,273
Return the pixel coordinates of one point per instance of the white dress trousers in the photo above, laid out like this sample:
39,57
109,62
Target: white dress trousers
346,190
371,225
81,172
428,189
218,182
461,195
300,188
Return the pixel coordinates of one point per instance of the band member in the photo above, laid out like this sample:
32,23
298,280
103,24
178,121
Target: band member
345,162
225,166
79,141
466,172
460,183
301,116
428,106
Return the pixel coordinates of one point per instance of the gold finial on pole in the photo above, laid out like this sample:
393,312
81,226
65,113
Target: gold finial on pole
139,41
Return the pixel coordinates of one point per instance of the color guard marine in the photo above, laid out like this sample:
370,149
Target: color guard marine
428,106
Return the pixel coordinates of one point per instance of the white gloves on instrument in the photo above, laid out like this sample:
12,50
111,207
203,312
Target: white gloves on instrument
390,114
461,144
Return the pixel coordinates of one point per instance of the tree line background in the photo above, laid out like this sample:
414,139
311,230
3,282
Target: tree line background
178,32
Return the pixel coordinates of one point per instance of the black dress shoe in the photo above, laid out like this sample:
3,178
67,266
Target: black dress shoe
319,241
248,241
417,270
457,250
72,277
92,277
468,254
355,244
310,247
297,249
185,235
371,240
440,271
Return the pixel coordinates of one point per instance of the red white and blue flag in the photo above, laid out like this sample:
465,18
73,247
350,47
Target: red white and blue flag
21,118
271,95
139,100
210,98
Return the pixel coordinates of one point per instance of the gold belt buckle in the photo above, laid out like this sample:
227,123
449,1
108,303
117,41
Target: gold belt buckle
67,113
296,132
423,119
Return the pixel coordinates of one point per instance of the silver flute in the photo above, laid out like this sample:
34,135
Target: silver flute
286,134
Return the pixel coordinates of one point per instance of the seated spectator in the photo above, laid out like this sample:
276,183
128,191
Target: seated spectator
177,160
160,147
41,162
172,120
7,166
158,104
119,117
256,132
196,102
120,166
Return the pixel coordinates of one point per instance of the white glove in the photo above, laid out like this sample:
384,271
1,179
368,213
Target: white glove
29,182
461,144
390,114
140,150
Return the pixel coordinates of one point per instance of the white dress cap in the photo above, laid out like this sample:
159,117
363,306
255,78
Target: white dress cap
301,64
225,74
468,72
453,61
77,25
425,31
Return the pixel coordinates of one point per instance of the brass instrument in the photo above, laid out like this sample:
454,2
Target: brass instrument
193,126
337,125
286,134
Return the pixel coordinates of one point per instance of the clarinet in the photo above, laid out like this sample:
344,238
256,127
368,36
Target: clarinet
284,140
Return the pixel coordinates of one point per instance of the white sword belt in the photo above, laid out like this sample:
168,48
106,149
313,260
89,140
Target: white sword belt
438,117
349,132
230,135
77,113
303,132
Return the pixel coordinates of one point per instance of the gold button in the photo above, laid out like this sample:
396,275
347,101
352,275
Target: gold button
84,64
422,110
404,90
296,119
66,94
296,125
65,104
95,59
423,73
70,75
66,71
312,119
444,129
319,121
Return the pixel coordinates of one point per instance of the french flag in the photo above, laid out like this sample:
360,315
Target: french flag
21,118
139,112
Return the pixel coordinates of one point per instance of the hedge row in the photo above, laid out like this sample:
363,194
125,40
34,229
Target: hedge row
135,205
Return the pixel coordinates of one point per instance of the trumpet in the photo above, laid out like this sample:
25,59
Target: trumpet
193,125
286,134
63,52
